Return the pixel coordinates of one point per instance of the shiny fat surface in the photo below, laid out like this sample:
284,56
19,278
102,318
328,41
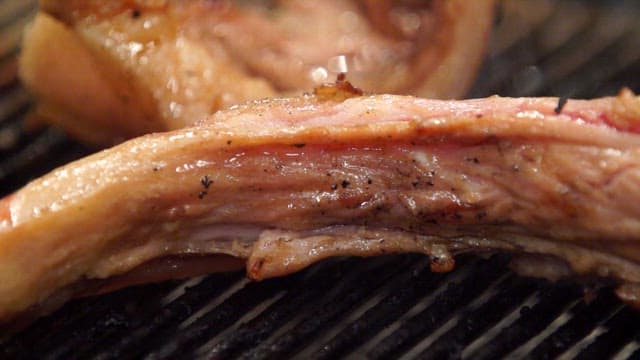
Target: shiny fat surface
286,182
143,66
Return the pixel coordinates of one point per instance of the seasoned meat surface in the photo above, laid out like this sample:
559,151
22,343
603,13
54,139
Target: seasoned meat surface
125,68
283,183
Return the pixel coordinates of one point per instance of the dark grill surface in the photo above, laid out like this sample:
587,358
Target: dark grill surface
380,308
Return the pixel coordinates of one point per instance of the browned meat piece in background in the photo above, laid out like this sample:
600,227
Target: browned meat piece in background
120,69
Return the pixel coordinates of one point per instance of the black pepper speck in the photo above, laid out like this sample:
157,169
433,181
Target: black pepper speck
206,182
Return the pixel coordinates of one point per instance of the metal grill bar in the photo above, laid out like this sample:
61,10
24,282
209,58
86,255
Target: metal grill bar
585,316
598,43
456,295
413,286
296,301
56,335
532,320
218,319
473,323
166,322
348,293
617,334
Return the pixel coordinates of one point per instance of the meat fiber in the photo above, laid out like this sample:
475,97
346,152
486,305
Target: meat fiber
283,183
125,68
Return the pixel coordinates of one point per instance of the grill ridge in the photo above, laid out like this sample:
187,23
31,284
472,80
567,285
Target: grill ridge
297,299
615,336
347,294
414,285
584,316
511,293
167,321
455,296
551,301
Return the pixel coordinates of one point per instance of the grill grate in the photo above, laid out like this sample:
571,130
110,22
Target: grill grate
385,307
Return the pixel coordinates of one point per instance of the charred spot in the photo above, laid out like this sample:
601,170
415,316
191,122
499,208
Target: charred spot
202,194
135,13
339,91
206,182
369,181
334,186
441,263
561,103
430,183
432,173
299,145
155,168
228,142
345,184
472,159
415,183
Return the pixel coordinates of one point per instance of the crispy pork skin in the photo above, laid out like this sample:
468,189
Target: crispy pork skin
125,68
283,183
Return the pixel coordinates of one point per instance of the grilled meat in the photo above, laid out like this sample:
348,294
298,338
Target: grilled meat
125,68
283,183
